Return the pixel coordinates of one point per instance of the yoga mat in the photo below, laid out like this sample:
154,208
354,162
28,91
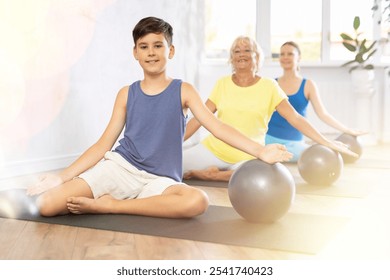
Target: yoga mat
370,163
350,184
336,189
294,232
340,188
202,183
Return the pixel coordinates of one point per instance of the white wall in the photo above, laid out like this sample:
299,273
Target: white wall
61,94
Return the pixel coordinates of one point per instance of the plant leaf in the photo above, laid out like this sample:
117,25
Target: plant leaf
353,68
371,46
346,37
350,47
371,54
369,67
356,23
362,47
348,63
359,58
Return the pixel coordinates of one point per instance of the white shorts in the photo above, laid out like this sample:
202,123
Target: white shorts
117,177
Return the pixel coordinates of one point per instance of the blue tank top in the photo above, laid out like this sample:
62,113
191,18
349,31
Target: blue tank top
154,132
279,127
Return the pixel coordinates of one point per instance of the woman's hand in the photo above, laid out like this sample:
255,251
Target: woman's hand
342,148
273,153
356,132
46,182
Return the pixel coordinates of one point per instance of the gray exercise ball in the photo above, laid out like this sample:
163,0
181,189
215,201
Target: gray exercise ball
320,165
16,204
354,144
261,192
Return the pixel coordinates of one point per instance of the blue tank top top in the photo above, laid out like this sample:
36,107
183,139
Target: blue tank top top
279,127
154,132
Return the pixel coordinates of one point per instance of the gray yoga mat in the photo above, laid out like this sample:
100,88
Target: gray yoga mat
300,233
352,184
371,163
337,189
202,183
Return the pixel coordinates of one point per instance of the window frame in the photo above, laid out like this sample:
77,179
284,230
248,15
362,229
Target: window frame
263,34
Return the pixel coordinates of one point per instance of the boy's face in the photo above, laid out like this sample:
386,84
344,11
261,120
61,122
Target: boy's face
152,52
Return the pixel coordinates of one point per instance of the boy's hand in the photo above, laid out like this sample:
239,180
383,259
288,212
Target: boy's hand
45,182
273,153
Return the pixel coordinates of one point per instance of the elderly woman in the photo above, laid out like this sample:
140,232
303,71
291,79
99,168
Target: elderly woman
245,101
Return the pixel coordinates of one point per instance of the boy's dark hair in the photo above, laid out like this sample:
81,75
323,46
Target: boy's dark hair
153,25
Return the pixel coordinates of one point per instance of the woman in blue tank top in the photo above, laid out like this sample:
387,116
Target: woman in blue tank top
300,92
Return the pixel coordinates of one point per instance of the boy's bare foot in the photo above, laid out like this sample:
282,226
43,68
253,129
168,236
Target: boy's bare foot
212,173
84,205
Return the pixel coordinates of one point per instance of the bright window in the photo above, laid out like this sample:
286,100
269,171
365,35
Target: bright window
225,20
315,25
341,20
382,10
299,21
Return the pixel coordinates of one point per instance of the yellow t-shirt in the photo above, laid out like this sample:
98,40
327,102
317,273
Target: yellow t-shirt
248,109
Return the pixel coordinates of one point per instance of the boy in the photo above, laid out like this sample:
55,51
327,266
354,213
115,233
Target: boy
142,176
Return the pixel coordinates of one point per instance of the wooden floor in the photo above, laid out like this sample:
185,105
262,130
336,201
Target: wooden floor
365,236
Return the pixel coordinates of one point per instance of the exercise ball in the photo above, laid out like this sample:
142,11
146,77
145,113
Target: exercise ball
16,204
261,192
353,144
320,165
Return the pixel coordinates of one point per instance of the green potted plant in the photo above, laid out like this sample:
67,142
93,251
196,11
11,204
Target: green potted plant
359,47
362,77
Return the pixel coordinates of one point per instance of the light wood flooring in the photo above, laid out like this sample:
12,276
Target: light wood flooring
365,236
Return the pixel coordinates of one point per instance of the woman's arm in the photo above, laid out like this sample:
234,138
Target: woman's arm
270,153
287,111
312,94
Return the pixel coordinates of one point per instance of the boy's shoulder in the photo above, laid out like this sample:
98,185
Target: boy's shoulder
124,89
186,86
188,91
123,92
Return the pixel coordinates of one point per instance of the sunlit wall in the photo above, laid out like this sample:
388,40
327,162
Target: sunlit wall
61,65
